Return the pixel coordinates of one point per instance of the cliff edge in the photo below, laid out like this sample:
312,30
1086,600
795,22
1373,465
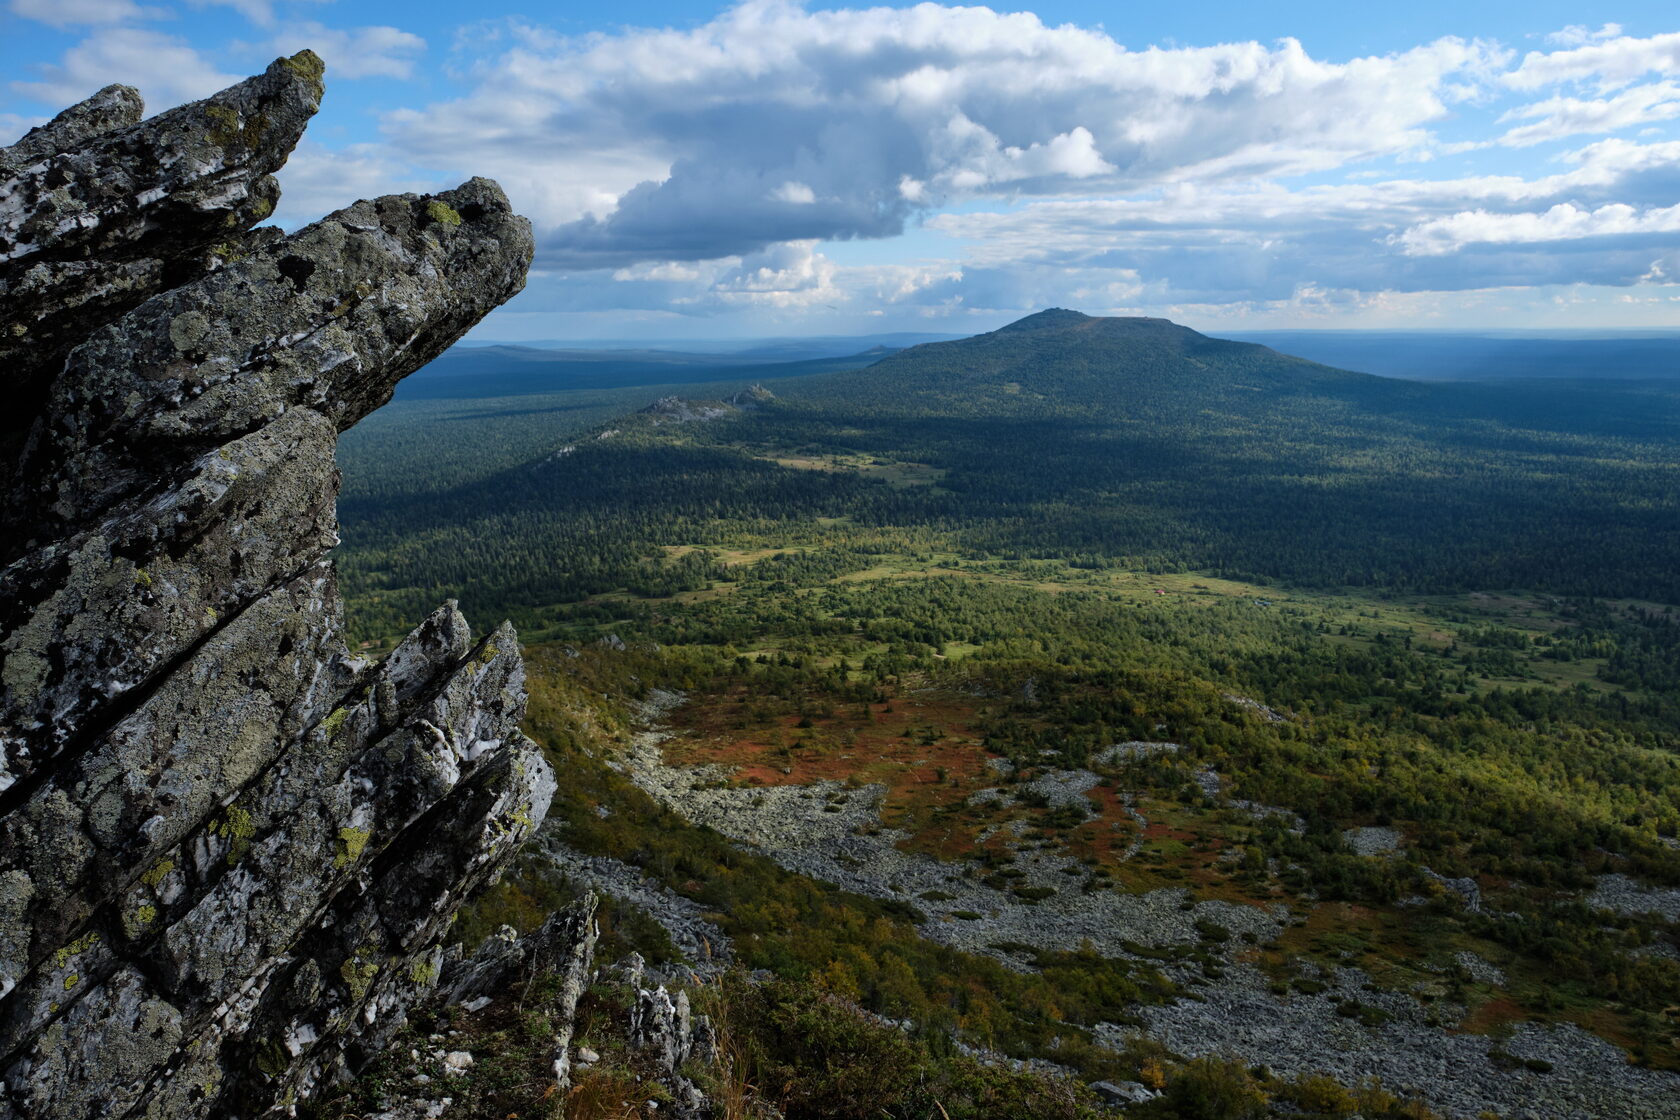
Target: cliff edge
229,849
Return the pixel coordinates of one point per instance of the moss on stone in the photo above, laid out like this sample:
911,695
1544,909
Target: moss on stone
308,66
237,828
272,1058
443,214
354,841
335,720
225,129
358,976
229,130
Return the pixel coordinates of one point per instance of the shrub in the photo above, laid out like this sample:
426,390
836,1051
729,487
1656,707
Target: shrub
1324,1096
820,1057
1213,1089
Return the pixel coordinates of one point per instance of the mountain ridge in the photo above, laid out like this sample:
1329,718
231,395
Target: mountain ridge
1145,365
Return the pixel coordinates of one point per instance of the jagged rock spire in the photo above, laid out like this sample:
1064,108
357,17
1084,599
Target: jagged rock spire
228,848
99,211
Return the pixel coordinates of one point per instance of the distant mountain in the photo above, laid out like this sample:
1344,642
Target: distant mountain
1061,349
1127,370
1060,360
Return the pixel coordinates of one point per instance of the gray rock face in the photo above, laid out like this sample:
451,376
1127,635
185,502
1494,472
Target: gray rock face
98,212
229,849
666,1031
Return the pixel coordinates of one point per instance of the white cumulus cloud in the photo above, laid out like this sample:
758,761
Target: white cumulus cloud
675,144
1579,35
1563,222
1610,63
354,52
259,12
73,13
1559,117
166,69
799,194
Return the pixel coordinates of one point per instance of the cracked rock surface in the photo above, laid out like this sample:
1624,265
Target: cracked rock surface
99,211
229,849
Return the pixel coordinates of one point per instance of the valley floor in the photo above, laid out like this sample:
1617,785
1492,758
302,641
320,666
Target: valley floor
1414,1041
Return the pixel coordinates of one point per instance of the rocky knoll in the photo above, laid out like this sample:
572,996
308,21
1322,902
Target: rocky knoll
229,849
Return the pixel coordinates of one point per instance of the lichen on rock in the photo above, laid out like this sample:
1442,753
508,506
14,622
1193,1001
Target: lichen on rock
229,849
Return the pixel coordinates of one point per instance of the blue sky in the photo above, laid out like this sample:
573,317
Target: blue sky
775,168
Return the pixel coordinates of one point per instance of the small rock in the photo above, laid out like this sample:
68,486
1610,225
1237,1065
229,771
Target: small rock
457,1062
1123,1092
586,1056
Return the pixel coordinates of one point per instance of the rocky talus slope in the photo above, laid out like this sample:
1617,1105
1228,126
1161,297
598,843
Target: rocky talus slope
229,849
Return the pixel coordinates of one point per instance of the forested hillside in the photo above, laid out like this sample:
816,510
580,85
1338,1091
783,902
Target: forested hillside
1366,690
1101,441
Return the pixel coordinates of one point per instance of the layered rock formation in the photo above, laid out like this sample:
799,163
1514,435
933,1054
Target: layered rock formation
229,849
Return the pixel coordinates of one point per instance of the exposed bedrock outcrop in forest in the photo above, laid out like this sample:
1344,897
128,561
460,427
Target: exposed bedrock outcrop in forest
229,848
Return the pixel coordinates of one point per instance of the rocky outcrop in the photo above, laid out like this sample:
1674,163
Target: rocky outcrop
229,849
676,410
647,1037
98,213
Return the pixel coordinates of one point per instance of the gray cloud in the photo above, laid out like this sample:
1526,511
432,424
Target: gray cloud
698,172
676,145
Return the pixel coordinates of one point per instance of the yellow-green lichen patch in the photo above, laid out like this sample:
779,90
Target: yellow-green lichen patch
81,945
143,916
353,842
308,66
227,129
157,873
142,577
335,720
443,214
237,828
358,976
70,981
487,654
424,972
